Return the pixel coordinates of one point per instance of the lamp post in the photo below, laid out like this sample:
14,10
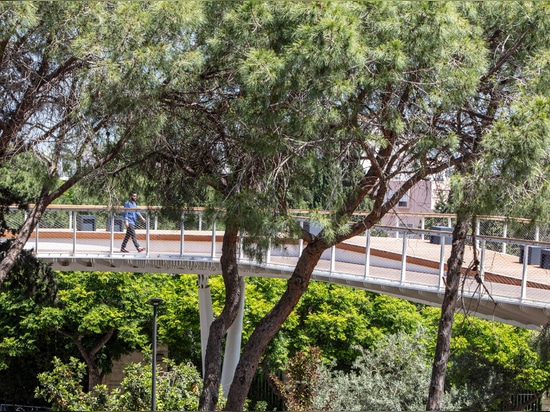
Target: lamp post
155,302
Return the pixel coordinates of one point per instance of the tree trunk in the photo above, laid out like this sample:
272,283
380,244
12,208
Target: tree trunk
46,197
270,325
95,374
452,285
219,327
22,237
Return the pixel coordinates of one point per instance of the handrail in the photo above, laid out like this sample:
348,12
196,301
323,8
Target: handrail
292,211
505,239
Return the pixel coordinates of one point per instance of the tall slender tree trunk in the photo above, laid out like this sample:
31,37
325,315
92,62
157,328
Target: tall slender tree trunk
219,327
452,286
269,326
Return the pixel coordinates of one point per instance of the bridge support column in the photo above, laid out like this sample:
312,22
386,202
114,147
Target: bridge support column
206,313
233,345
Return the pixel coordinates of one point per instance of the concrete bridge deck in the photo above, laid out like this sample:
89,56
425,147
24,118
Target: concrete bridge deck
407,267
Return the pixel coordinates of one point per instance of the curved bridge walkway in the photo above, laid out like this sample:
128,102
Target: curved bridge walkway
398,261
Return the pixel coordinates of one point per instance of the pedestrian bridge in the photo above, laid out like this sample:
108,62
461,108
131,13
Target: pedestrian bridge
404,262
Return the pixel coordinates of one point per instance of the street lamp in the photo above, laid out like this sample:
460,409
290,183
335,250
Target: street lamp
155,302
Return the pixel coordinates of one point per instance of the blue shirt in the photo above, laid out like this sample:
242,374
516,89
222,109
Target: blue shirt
130,215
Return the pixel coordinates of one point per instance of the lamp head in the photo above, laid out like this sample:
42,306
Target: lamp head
155,301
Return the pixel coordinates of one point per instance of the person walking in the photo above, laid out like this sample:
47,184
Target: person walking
130,223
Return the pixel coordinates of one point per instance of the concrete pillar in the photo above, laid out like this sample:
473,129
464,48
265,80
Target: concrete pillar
233,346
206,313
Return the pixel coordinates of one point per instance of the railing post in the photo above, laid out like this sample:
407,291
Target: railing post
147,233
332,259
112,232
241,251
397,225
441,261
36,237
477,232
301,241
182,234
482,259
404,257
422,226
73,218
213,251
367,253
524,272
504,235
482,263
267,253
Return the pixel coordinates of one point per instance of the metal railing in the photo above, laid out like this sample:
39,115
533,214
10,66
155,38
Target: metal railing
511,254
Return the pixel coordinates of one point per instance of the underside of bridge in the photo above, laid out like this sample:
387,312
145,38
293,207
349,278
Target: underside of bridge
515,312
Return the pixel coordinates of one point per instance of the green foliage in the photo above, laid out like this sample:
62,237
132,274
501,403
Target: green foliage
104,314
19,185
487,358
491,361
178,388
300,380
392,375
338,320
178,318
91,303
29,286
62,386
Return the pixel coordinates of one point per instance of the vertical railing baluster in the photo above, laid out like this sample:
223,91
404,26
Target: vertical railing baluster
300,241
482,264
213,252
332,258
404,257
111,217
422,226
73,217
524,272
367,253
147,232
268,252
397,225
36,237
441,260
504,235
241,251
478,227
182,234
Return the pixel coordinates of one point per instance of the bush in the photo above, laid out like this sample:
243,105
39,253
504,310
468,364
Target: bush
178,388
